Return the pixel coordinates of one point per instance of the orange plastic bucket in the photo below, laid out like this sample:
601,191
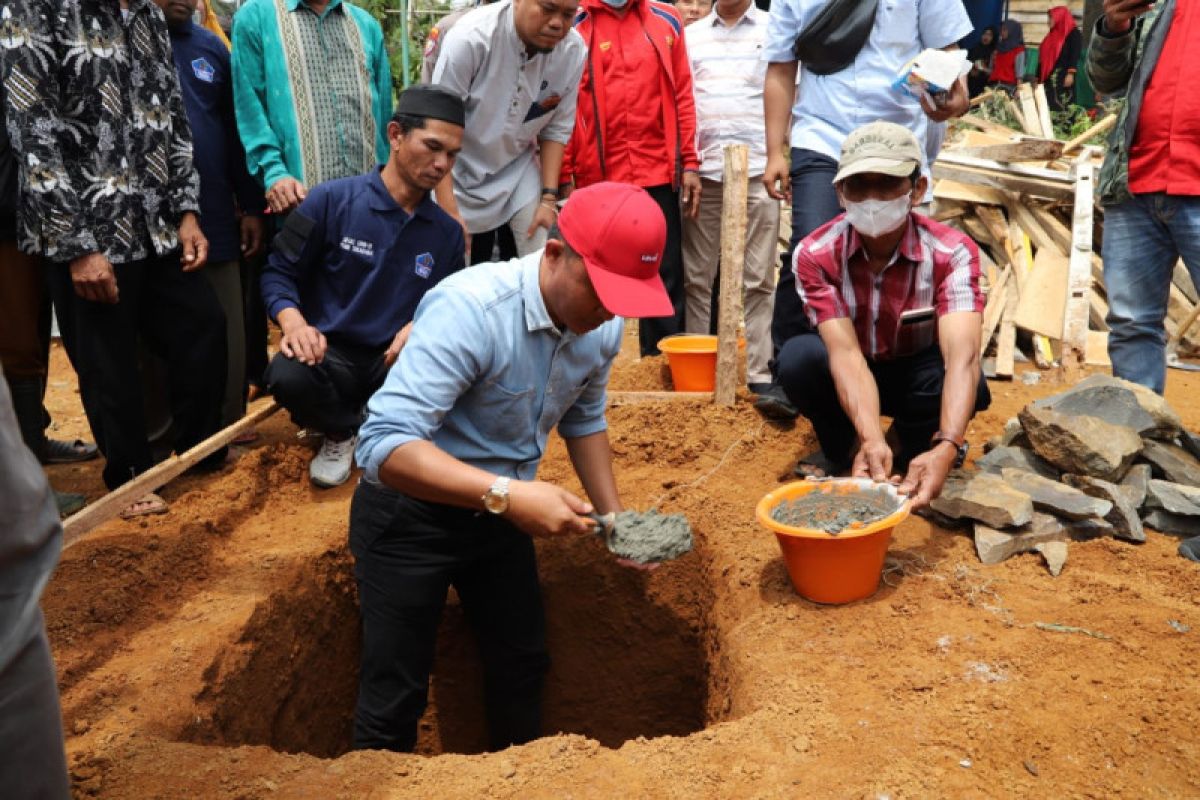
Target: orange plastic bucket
693,361
825,568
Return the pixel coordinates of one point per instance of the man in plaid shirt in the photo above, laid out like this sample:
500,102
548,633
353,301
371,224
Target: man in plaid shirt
895,308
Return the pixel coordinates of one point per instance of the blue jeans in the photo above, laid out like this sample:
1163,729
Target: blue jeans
1143,237
814,202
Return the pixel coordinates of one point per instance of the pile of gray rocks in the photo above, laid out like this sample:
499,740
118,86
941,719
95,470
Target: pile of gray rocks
1104,458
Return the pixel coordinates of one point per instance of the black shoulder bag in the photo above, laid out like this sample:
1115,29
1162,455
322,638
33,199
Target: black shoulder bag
833,39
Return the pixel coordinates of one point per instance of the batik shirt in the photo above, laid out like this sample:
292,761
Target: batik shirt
98,126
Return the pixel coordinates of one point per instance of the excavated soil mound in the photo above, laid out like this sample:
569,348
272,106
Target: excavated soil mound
212,652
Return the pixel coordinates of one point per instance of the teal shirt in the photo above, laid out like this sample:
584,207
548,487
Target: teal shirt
313,94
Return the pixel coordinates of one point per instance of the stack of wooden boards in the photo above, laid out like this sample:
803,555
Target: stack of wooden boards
1028,200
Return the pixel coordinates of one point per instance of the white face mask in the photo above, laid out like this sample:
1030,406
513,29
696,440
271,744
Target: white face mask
877,217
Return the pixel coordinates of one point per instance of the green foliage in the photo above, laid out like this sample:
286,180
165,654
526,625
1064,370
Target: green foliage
390,16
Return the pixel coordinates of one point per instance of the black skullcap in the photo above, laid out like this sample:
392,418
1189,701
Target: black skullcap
432,102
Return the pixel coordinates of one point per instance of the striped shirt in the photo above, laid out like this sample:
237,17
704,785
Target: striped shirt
728,70
934,272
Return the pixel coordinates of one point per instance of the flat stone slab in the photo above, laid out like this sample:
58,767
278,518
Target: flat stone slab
1054,497
1055,554
1173,497
1177,524
984,497
1135,483
1083,530
1124,515
1110,402
1081,444
1172,463
1017,458
1167,424
994,546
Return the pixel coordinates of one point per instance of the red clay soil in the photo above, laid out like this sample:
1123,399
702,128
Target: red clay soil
211,652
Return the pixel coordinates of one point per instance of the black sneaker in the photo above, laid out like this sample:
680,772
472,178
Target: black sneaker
772,403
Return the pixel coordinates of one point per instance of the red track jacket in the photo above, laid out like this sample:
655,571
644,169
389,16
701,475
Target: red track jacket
636,117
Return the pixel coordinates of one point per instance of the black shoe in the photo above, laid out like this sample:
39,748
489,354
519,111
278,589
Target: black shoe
772,403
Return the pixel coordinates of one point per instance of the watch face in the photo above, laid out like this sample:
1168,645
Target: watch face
495,502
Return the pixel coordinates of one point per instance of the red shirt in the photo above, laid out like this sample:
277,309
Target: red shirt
1165,156
635,118
934,272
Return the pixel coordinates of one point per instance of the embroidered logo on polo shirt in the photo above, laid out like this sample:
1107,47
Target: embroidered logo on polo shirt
424,265
358,246
204,70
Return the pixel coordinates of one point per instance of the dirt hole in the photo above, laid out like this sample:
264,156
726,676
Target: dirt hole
628,652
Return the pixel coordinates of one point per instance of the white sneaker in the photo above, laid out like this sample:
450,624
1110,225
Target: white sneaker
331,465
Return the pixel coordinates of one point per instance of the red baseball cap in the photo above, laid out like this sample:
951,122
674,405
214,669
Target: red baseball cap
620,233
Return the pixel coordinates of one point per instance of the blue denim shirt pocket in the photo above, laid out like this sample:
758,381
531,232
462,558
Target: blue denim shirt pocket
506,410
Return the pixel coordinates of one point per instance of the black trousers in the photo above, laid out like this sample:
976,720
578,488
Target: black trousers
910,392
177,315
651,329
407,554
814,202
330,396
257,334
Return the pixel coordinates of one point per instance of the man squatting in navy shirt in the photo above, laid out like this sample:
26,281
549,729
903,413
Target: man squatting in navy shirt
348,270
206,83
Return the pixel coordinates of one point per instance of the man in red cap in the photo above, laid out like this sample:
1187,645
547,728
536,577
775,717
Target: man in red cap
498,356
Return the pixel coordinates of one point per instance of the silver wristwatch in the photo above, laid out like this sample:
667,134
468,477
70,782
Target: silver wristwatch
495,499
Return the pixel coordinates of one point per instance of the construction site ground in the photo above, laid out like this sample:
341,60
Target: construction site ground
212,652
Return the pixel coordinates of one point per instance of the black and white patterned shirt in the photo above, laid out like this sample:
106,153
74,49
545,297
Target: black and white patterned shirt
98,126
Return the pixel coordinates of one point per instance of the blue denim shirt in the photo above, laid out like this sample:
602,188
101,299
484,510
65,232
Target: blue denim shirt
486,374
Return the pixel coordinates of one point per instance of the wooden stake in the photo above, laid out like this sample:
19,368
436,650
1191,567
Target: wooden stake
1030,120
1079,274
116,501
634,398
1103,126
733,258
1043,110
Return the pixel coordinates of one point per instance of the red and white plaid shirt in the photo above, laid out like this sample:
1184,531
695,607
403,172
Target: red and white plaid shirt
934,272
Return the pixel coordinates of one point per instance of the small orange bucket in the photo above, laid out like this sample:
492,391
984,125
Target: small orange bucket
693,361
825,568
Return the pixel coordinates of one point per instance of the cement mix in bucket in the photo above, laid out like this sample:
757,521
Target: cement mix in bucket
835,512
649,537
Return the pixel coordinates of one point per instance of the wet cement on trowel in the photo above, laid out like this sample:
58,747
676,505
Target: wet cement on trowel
834,513
649,537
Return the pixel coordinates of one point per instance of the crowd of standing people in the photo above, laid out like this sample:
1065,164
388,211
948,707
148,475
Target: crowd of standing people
168,190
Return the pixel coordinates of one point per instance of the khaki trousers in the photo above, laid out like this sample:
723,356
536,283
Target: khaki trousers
701,257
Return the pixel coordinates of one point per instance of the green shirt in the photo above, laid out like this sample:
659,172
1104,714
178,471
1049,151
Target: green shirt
313,93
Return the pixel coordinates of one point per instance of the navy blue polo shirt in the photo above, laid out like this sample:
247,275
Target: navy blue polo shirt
206,81
356,264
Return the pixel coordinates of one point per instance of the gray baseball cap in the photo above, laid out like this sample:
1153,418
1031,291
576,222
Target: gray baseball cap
883,147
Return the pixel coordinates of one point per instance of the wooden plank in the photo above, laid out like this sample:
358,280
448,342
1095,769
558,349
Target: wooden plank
997,299
112,504
1055,229
1079,276
1030,120
1042,305
977,231
967,193
1097,349
1006,344
1183,279
1097,311
1029,223
1043,111
1103,126
944,210
634,398
1038,187
733,259
1051,176
987,125
1027,150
